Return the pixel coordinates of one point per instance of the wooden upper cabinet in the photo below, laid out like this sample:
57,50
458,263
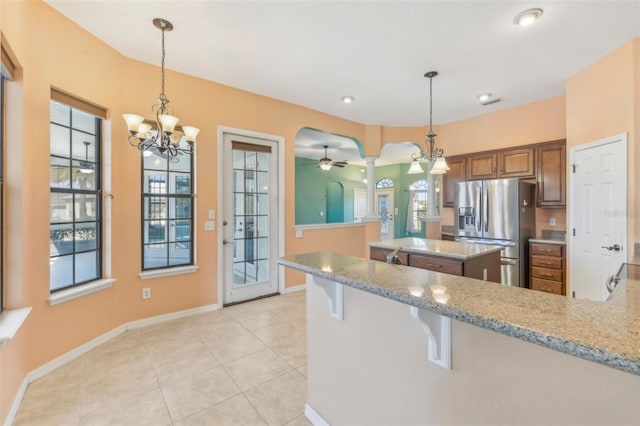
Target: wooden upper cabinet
457,173
482,166
552,175
518,162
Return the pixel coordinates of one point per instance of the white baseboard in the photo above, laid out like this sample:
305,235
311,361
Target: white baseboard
92,344
295,288
314,417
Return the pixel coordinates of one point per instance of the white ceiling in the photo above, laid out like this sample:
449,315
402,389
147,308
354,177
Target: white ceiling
312,53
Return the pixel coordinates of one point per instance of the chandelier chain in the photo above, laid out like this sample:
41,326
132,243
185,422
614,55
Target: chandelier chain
162,95
430,104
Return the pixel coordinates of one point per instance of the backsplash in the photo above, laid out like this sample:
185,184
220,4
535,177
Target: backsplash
552,233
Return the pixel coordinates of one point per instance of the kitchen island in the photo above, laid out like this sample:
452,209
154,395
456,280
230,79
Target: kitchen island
390,344
479,261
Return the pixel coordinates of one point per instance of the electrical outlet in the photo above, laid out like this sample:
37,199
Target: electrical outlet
146,293
552,221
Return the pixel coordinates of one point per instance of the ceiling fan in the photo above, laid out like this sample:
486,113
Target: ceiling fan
325,163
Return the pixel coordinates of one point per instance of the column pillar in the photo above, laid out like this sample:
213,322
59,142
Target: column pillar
371,189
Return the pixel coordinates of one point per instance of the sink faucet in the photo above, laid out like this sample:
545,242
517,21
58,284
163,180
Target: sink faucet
393,257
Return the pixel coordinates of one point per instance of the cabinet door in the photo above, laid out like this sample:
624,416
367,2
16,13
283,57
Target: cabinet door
551,175
517,163
457,166
481,166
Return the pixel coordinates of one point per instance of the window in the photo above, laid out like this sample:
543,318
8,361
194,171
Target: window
418,201
384,183
167,211
75,215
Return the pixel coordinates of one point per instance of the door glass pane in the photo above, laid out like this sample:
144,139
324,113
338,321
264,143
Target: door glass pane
383,212
251,217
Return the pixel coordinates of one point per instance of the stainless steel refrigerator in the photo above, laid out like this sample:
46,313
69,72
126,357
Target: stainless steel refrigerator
498,212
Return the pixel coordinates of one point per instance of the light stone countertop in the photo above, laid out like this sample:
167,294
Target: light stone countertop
548,240
603,332
452,249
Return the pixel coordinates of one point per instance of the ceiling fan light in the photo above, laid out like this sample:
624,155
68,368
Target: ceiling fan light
440,167
415,168
325,166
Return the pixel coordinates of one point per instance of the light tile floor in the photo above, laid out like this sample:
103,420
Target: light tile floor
241,365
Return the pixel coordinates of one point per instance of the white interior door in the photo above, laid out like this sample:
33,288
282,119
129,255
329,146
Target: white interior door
385,209
598,241
250,218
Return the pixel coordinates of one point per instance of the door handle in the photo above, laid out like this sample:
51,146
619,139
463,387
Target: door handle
615,247
226,242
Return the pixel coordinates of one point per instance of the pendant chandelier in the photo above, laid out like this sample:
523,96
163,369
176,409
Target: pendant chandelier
163,139
435,155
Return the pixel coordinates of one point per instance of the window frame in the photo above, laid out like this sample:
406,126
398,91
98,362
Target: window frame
96,192
2,129
171,200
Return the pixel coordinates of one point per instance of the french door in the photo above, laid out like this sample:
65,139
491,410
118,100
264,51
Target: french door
250,218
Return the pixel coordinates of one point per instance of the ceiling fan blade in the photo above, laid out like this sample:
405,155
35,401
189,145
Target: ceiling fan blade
337,165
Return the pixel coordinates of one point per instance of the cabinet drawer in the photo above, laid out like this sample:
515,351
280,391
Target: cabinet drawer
548,286
547,262
546,250
376,253
547,274
448,266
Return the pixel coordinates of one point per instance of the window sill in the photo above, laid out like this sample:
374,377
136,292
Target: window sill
73,293
157,273
431,219
10,323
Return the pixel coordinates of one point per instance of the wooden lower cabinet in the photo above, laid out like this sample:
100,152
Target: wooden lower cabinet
485,267
547,268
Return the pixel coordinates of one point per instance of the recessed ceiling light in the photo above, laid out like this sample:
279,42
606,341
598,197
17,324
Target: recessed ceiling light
484,97
348,99
528,17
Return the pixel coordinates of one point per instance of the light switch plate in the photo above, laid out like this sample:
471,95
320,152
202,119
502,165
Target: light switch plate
212,214
552,221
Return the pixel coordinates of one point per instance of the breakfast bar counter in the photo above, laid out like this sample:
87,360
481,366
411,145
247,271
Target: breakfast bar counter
548,359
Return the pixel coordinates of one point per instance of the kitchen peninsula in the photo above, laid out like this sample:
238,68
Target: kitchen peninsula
390,344
450,257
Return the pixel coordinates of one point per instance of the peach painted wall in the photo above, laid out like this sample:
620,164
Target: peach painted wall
604,100
62,55
527,124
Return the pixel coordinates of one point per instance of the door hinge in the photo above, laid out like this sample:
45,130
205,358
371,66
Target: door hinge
573,166
574,232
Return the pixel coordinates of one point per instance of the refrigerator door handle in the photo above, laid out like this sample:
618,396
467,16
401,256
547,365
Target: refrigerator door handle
485,207
480,212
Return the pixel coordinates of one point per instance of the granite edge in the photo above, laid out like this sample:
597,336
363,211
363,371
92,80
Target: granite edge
438,253
559,344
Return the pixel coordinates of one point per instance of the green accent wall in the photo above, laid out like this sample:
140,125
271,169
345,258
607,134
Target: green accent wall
311,190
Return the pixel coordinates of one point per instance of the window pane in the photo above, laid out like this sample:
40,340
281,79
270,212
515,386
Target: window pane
263,248
155,182
60,240
180,183
263,182
155,207
60,173
61,272
86,236
263,226
84,176
180,208
155,231
180,253
86,266
60,141
83,121
83,146
181,230
85,207
60,114
61,207
155,162
263,204
263,161
155,256
180,162
263,270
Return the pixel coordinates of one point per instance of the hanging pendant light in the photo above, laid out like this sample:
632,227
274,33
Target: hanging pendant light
435,155
164,139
